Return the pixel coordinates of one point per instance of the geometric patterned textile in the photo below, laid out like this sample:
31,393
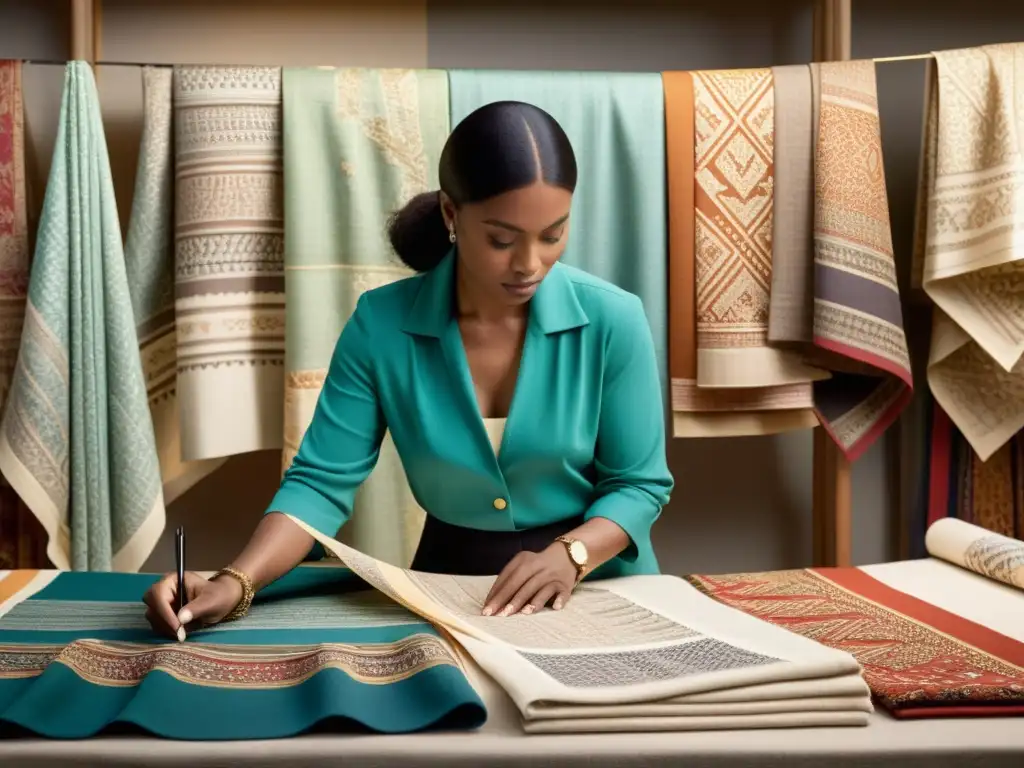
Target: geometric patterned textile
968,253
858,318
919,660
316,649
229,285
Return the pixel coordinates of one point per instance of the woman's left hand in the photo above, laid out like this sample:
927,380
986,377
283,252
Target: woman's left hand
530,581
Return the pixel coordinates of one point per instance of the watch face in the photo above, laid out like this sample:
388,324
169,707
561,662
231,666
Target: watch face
578,552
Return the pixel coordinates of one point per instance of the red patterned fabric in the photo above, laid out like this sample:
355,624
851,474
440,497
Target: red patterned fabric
918,660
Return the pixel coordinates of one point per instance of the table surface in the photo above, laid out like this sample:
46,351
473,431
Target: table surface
957,743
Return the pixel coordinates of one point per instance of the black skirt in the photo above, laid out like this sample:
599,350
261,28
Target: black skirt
446,548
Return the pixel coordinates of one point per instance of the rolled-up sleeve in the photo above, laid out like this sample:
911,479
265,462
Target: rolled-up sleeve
633,479
342,443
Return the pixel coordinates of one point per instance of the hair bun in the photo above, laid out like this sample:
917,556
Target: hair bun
418,234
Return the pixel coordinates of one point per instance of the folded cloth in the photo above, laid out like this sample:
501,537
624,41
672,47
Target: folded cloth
316,648
636,653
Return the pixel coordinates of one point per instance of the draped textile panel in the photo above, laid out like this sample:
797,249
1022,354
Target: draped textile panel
22,539
359,143
229,288
149,260
734,174
858,317
707,411
970,233
616,123
919,659
76,441
316,649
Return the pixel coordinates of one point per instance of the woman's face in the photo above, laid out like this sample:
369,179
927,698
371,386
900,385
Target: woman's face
509,243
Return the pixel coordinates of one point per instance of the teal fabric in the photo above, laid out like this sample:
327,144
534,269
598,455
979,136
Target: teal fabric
616,123
78,441
318,649
585,433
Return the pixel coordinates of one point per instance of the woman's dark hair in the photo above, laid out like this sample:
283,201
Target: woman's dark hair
498,148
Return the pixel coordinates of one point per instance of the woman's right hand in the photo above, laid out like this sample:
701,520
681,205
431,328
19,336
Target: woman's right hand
208,602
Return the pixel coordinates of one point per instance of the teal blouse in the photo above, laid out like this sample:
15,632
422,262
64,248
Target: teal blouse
585,432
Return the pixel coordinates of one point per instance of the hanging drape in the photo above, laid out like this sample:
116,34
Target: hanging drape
229,290
149,260
22,539
703,411
969,251
359,143
76,441
616,123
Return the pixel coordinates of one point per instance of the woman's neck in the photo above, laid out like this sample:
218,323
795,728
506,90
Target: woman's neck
470,304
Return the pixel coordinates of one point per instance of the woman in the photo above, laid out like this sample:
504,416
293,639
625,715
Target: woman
523,395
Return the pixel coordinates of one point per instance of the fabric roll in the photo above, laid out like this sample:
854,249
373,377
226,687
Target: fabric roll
229,286
858,317
317,649
696,411
734,200
920,660
616,124
970,230
76,441
22,539
149,260
359,143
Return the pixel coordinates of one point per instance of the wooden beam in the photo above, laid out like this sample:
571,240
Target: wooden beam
84,30
832,525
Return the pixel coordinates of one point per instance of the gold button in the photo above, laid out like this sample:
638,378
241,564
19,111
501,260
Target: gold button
500,503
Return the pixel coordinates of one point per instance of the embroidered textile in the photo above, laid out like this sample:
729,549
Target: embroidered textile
858,318
359,144
149,260
77,438
707,411
229,285
919,660
970,231
22,539
734,175
316,648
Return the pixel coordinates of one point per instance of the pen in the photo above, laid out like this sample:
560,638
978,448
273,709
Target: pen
179,558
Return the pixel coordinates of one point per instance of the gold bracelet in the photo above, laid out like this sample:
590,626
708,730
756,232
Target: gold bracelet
248,592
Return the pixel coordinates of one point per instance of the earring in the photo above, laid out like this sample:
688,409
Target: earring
451,235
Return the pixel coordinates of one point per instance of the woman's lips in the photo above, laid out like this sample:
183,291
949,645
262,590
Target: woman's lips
521,289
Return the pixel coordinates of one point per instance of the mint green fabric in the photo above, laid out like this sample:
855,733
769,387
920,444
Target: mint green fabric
359,143
77,439
616,123
78,658
585,434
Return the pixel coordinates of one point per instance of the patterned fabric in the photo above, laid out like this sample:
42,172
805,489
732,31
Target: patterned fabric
76,441
317,647
229,291
22,539
358,145
149,259
707,411
858,318
919,660
968,254
734,172
616,123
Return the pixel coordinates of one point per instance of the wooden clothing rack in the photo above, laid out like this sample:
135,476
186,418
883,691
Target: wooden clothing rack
832,492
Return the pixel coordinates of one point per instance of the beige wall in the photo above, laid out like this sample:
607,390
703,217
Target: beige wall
740,504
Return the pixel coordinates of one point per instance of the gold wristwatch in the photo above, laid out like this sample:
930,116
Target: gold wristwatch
578,554
248,592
